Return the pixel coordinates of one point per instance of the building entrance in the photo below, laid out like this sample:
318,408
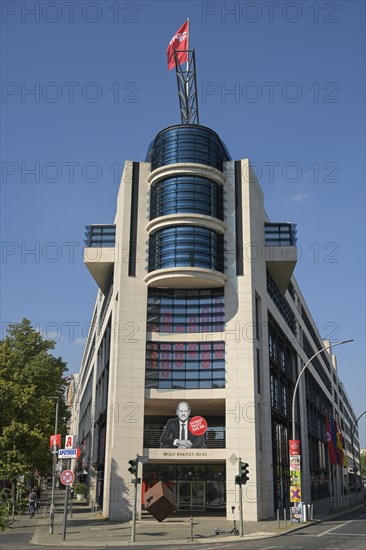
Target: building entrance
191,496
197,487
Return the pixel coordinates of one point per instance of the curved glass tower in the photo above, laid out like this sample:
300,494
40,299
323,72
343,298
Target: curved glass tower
186,229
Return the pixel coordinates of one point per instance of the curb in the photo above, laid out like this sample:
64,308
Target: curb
203,539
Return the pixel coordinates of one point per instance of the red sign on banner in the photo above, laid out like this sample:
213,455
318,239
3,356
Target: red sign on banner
294,447
197,425
55,442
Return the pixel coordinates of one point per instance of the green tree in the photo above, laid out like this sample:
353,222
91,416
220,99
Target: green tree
363,466
29,376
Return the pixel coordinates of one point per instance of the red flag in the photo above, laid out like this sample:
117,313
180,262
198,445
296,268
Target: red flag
178,42
332,451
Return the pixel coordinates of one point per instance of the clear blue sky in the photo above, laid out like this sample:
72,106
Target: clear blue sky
102,91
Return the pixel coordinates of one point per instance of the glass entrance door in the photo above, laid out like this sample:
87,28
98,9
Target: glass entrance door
191,496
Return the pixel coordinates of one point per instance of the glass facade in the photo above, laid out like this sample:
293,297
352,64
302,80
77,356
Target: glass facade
185,365
186,246
187,143
281,303
172,311
187,194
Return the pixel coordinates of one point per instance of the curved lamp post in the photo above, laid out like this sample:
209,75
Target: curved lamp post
353,450
300,375
297,385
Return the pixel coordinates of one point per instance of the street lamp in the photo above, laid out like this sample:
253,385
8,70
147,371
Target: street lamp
295,392
353,450
300,375
52,507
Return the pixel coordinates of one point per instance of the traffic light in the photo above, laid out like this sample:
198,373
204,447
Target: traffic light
244,472
133,467
243,476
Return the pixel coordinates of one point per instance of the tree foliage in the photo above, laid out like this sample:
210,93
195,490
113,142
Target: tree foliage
363,466
30,377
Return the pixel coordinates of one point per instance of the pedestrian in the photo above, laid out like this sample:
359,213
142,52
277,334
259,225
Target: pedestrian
32,503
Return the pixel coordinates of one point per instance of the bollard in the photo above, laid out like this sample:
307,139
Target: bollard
305,512
278,517
285,516
311,512
191,522
52,518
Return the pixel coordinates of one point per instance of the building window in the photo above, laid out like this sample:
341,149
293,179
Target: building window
258,373
281,304
257,317
185,246
274,391
185,365
173,311
281,354
272,347
283,398
316,364
187,194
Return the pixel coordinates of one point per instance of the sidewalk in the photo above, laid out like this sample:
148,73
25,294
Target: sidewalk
91,530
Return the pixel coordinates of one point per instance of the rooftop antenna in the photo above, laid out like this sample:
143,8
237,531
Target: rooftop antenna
187,88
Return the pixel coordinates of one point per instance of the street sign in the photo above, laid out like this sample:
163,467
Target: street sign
233,459
67,453
55,443
67,477
143,459
70,441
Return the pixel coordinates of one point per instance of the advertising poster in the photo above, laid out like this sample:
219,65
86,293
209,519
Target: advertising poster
184,432
295,471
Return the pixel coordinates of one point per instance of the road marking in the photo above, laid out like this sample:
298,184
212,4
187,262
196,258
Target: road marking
340,525
351,535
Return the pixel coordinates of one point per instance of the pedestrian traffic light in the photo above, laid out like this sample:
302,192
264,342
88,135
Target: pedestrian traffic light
243,467
133,467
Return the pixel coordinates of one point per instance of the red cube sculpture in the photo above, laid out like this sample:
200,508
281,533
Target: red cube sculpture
160,501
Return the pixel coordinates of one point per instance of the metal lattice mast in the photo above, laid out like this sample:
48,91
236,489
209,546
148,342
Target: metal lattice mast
187,88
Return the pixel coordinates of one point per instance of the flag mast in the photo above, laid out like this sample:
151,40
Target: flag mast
180,51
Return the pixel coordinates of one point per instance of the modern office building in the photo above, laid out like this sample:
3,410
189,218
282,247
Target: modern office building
197,304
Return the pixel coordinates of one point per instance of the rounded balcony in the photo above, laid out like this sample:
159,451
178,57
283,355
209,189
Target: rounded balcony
187,194
186,256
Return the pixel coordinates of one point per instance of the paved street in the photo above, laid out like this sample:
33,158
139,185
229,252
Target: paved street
344,531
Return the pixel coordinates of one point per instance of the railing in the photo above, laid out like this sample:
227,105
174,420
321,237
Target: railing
214,438
280,234
102,236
